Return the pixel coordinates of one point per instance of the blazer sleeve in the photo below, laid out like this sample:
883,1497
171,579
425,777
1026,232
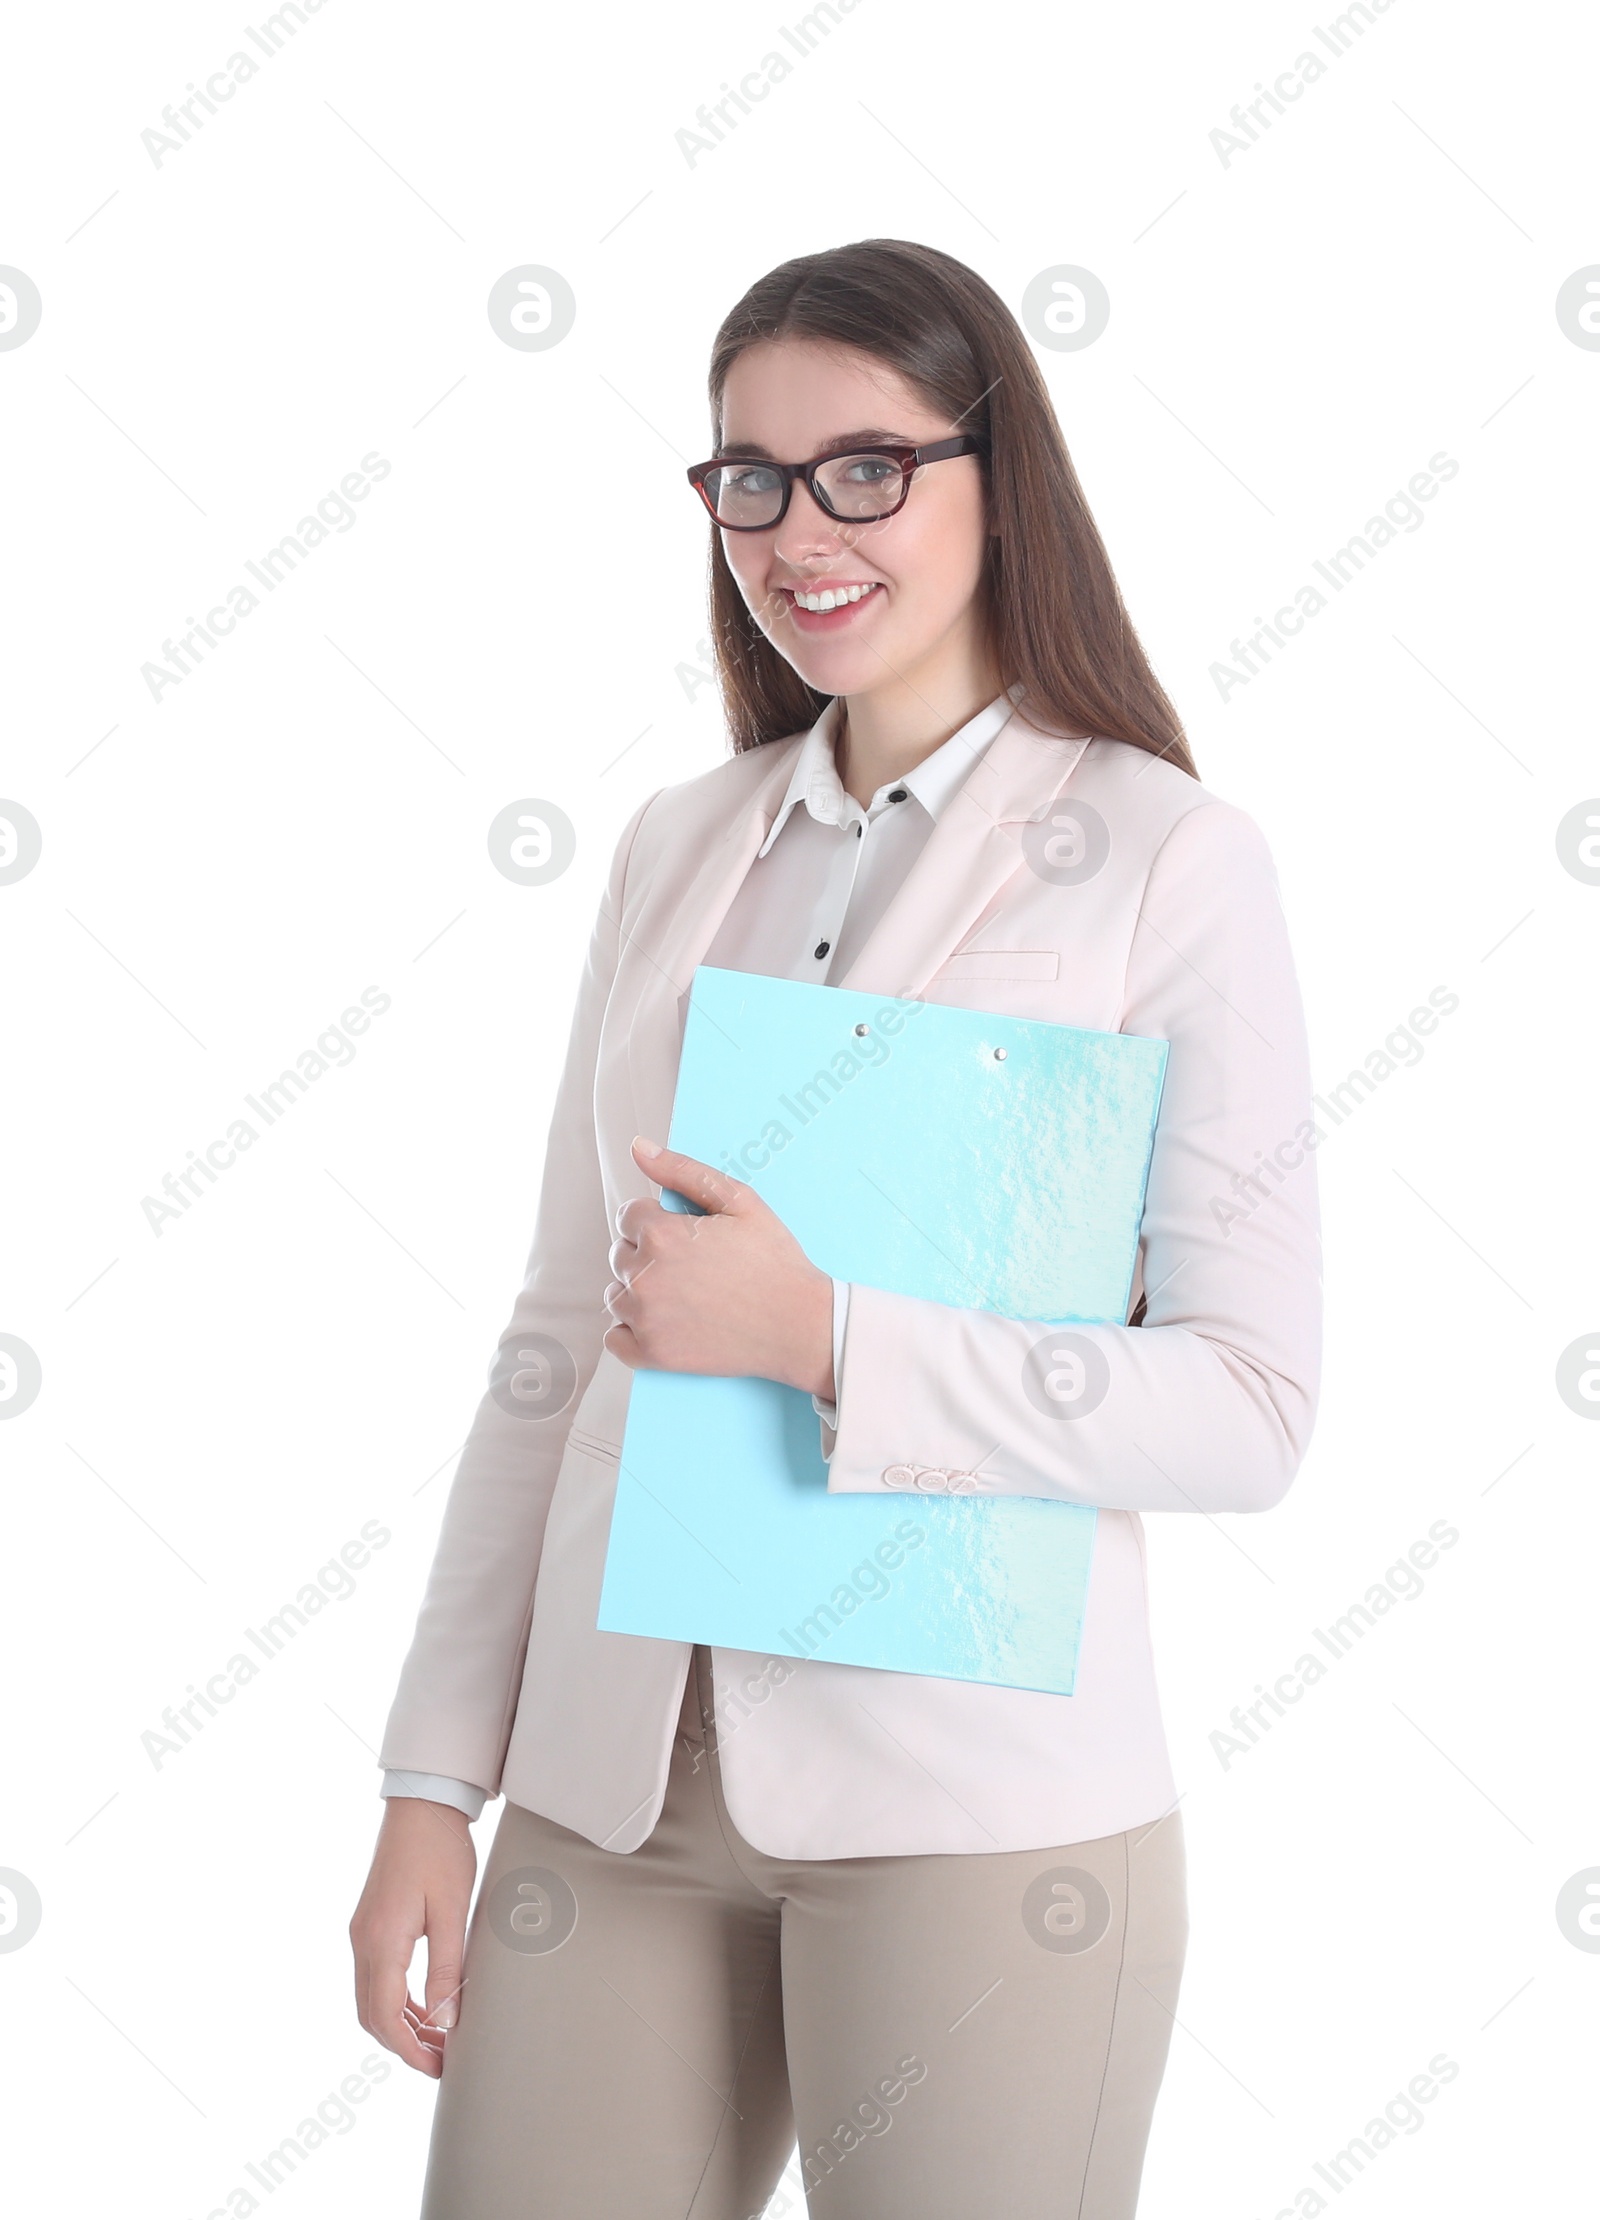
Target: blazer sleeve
458,1687
1207,1405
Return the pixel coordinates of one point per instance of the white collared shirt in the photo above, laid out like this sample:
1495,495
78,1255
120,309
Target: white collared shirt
825,874
820,881
828,869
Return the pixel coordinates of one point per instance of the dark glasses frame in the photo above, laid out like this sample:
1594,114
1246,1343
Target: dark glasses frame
908,458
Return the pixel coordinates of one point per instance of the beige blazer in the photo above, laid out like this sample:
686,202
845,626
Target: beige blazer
1085,882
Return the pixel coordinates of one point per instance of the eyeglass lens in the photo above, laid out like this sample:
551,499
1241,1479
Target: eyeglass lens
855,487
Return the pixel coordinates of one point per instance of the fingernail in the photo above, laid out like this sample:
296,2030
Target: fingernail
646,1148
445,2016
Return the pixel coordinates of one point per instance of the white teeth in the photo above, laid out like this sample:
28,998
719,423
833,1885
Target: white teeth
831,598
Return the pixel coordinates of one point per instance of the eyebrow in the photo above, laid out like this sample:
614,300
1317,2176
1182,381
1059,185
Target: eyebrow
846,443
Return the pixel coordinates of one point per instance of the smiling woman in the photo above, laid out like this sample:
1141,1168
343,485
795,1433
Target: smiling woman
967,388
953,778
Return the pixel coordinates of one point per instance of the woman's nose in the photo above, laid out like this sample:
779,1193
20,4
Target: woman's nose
808,530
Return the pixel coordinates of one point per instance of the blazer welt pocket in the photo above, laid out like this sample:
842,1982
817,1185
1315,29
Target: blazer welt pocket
1002,963
590,1445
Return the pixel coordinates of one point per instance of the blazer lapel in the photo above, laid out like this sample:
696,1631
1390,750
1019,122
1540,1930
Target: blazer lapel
666,971
720,875
970,854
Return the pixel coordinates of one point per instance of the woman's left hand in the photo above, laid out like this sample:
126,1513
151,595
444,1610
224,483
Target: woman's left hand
730,1293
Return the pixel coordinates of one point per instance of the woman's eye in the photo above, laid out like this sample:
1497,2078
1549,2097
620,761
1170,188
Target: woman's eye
748,484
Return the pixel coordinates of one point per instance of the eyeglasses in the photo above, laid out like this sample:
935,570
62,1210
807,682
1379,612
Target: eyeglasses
748,496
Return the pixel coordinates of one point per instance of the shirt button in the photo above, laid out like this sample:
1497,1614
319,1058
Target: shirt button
898,795
821,948
858,828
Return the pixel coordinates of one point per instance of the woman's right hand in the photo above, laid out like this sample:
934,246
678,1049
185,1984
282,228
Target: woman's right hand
420,1884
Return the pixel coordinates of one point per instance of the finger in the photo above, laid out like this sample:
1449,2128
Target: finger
388,2012
701,1183
623,1259
431,2038
620,1341
445,1978
634,1214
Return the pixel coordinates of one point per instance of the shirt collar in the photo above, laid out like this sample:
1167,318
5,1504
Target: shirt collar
815,779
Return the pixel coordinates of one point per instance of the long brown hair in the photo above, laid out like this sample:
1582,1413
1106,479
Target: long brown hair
1055,615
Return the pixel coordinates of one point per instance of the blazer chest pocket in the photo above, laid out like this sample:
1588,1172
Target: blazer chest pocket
592,1446
1002,963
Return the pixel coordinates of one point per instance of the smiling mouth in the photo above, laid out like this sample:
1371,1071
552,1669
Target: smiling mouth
824,600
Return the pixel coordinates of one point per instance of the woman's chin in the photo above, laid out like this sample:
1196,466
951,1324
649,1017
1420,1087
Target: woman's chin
841,667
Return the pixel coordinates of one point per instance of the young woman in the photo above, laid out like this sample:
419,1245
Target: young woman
932,1928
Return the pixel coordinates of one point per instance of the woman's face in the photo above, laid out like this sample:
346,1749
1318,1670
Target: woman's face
788,400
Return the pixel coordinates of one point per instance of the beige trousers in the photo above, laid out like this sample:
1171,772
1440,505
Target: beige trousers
646,2035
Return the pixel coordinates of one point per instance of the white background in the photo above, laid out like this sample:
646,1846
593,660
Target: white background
1293,334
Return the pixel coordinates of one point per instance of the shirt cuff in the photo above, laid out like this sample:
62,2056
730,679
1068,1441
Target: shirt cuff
436,1788
826,1411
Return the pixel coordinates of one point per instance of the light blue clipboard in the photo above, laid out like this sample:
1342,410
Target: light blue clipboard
987,1162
